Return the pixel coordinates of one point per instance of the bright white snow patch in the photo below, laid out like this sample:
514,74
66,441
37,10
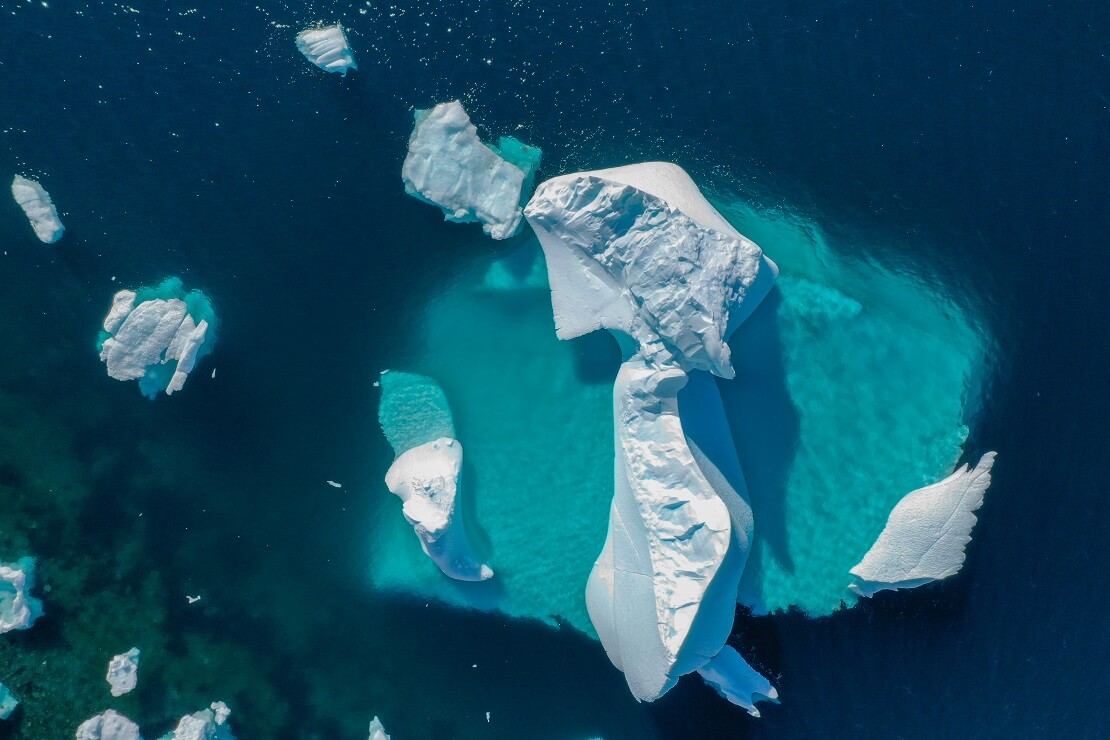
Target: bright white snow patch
40,210
925,535
327,48
123,672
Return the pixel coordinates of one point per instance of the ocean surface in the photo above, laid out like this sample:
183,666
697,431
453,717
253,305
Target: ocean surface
960,147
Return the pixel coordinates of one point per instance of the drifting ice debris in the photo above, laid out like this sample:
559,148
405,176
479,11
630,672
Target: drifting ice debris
333,484
449,166
192,599
327,48
18,608
377,731
123,672
8,703
207,724
108,726
40,210
925,535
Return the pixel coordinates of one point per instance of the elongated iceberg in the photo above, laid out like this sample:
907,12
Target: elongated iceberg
157,335
110,725
926,533
18,608
425,474
123,672
327,48
448,165
8,702
639,251
39,208
207,724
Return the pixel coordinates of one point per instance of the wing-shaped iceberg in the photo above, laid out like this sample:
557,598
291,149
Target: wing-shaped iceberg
39,208
449,166
737,681
327,48
925,535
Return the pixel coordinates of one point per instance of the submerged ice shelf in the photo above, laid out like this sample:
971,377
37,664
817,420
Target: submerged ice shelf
8,702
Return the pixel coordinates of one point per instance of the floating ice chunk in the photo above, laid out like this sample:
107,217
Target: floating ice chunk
638,249
8,702
327,48
192,599
737,681
448,165
18,608
425,475
207,724
377,731
333,484
157,335
40,210
925,535
108,726
123,672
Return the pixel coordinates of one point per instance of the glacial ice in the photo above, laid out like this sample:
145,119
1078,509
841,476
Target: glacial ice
425,476
327,48
123,672
157,335
926,533
39,208
639,251
377,731
448,166
737,681
108,726
8,702
207,724
18,608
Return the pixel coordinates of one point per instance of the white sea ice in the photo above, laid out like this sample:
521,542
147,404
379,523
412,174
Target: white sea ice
123,672
449,166
737,681
925,535
108,726
426,478
327,48
207,724
18,608
8,702
377,731
39,208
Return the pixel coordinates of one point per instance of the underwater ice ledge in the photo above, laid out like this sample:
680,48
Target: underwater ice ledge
828,369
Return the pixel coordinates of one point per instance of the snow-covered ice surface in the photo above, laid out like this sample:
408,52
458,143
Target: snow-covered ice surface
123,672
18,608
157,335
8,702
327,48
377,731
207,724
39,208
926,533
108,726
449,166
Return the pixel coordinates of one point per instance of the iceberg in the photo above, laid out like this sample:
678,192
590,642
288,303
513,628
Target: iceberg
377,731
925,536
8,702
123,672
448,166
737,681
425,473
108,726
18,608
327,48
39,208
207,724
639,251
157,335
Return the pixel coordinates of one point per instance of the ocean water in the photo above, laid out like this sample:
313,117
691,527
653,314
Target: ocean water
960,150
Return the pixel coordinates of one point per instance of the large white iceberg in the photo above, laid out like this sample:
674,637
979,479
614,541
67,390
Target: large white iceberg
108,726
18,608
39,208
926,533
327,48
8,702
639,251
425,474
207,724
123,672
449,166
157,335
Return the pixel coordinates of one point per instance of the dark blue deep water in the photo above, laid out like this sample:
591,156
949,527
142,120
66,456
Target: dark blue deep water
194,140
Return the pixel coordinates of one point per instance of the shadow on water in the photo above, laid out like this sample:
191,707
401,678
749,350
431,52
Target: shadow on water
765,424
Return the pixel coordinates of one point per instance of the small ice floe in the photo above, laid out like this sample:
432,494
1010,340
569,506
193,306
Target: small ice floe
333,484
327,48
213,373
192,599
8,703
123,672
377,731
487,717
109,726
18,608
40,210
207,724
